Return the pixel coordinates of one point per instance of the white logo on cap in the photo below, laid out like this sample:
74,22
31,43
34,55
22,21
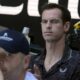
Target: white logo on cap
5,37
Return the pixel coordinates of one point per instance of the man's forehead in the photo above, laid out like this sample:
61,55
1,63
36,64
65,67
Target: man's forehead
56,13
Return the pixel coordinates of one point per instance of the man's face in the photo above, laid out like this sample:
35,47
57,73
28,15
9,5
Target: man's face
53,28
13,66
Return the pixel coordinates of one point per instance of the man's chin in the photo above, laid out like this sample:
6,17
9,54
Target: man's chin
49,39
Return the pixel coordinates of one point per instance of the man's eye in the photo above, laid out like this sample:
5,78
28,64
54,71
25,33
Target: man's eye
54,21
10,55
44,21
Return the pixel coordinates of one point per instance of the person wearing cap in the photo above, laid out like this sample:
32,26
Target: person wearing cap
14,49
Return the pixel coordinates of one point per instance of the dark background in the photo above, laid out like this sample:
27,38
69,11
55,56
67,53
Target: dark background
21,20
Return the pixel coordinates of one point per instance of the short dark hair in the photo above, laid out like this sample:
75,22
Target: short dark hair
66,16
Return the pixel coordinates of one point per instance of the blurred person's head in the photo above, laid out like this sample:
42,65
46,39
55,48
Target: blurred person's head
55,21
14,51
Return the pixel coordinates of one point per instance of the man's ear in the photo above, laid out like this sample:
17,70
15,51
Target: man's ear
66,26
26,61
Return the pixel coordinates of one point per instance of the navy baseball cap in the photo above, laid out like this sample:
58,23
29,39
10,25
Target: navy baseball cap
13,41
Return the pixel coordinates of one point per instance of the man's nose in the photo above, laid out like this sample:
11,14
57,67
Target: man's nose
49,25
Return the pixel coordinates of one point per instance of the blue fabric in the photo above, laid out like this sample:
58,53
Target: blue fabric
30,76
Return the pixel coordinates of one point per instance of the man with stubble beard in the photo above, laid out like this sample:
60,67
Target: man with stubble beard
59,61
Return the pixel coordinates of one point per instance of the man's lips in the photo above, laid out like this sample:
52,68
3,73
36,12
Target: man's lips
48,33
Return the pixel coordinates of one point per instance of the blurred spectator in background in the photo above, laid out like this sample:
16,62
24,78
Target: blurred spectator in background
14,52
25,31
